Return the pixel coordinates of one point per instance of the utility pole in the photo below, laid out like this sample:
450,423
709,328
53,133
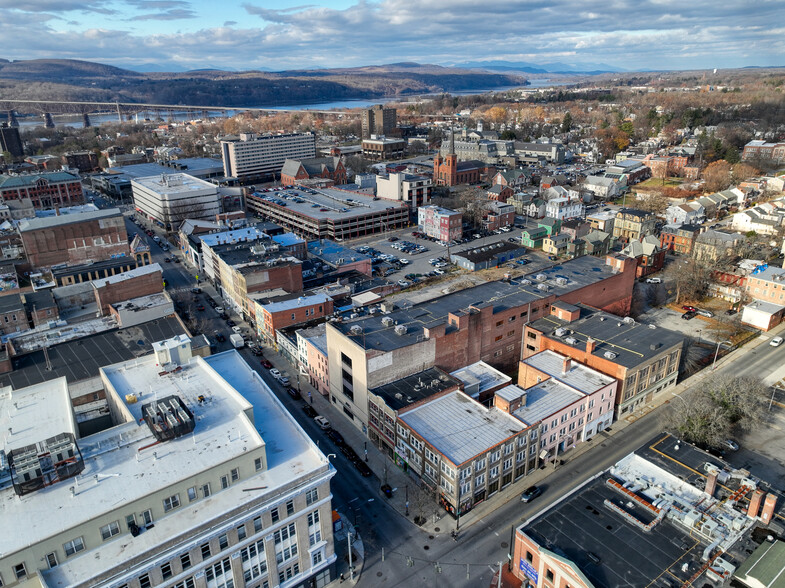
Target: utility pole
351,567
499,579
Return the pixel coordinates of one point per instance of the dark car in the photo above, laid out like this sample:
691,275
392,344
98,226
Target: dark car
196,290
531,493
731,311
220,337
292,392
363,468
689,315
167,260
393,239
230,323
309,411
336,437
349,453
266,364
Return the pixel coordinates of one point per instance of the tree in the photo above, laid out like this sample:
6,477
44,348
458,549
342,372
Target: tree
358,164
743,171
721,407
508,136
717,176
566,123
691,278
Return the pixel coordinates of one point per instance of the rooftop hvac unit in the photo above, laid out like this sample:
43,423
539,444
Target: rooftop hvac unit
561,281
387,321
356,330
400,330
543,287
652,326
609,355
629,320
571,340
560,332
525,281
540,277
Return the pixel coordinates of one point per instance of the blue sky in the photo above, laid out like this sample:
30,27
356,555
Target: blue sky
181,34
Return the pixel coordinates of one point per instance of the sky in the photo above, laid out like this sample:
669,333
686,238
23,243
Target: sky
180,34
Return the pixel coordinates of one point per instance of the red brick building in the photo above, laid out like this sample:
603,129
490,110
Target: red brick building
679,239
141,281
46,190
448,171
276,315
75,239
330,168
500,193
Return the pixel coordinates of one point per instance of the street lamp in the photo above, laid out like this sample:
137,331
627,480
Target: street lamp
680,398
714,363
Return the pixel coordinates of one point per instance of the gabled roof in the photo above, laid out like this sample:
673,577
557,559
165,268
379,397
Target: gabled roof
30,179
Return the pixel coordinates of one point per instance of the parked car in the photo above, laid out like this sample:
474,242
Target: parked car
363,468
196,290
292,392
350,454
230,323
706,313
336,437
403,283
167,260
220,337
266,364
776,342
392,239
236,329
689,308
309,411
730,444
689,315
275,373
531,493
654,280
323,423
731,311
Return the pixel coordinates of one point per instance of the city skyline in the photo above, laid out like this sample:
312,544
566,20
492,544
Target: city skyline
178,35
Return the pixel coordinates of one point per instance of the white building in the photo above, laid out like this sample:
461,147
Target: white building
564,208
258,156
169,199
411,188
182,490
602,187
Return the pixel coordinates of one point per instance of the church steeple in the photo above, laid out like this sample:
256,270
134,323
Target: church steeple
452,141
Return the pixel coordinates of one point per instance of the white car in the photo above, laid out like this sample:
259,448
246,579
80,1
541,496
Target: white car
776,342
323,423
403,283
275,373
654,280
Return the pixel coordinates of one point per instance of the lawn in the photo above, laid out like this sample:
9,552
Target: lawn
657,183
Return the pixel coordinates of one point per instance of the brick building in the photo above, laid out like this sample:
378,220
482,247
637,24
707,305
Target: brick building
132,284
41,307
500,193
482,323
272,316
330,168
633,224
762,151
45,190
679,238
75,239
496,215
13,315
648,253
440,223
312,347
645,361
383,148
84,161
378,120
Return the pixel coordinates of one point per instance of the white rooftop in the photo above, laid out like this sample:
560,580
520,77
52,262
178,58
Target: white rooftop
174,184
35,413
134,273
578,376
244,234
461,428
545,399
482,375
223,431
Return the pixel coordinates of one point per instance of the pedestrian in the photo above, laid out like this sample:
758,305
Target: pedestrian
342,578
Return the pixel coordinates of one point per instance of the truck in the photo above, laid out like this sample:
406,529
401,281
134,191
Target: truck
237,340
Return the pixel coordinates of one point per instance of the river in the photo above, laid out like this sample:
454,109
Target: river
75,120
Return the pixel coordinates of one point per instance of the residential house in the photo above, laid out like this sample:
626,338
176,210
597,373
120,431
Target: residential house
645,361
603,188
532,238
576,228
500,193
632,224
713,245
764,219
688,213
497,215
649,254
556,244
602,221
679,239
528,205
514,178
598,243
550,224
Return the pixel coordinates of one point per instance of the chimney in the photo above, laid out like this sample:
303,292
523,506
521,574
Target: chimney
566,366
768,508
754,507
590,345
711,483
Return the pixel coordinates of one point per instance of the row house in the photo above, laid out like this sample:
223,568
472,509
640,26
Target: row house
497,215
556,244
648,253
679,238
603,188
688,213
631,223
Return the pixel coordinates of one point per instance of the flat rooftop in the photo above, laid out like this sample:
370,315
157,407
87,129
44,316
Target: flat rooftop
482,375
251,233
223,431
578,376
174,183
632,342
500,295
488,252
80,359
194,166
543,400
326,203
34,414
406,391
50,222
130,274
335,253
461,428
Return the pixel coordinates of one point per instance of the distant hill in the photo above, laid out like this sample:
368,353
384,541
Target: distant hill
542,68
65,79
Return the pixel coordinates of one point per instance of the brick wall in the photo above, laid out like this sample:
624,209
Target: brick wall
110,293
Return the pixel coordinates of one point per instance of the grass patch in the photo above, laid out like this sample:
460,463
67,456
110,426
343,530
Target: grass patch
658,183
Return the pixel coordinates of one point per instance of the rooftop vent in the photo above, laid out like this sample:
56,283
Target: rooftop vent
560,332
540,277
388,321
543,287
561,281
571,340
652,326
400,329
609,355
602,318
356,330
629,320
525,281
168,418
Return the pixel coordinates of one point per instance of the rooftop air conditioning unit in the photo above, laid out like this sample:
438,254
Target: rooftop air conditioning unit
560,332
571,340
400,330
609,355
540,277
387,321
629,320
543,287
561,281
525,281
356,330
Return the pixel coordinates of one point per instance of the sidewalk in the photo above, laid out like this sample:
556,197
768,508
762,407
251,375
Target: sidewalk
343,575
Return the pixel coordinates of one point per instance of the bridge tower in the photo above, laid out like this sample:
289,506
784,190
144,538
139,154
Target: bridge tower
86,120
49,123
12,122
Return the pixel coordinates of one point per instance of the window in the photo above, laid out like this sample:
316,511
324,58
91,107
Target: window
257,524
223,541
314,528
205,490
275,516
479,481
311,496
494,473
205,548
447,470
479,464
219,575
316,558
110,530
171,502
187,583
147,517
290,508
529,557
191,493
510,333
549,575
224,482
166,571
185,560
235,473
73,546
144,581
20,571
498,338
129,521
254,561
257,463
346,360
241,534
51,559
285,543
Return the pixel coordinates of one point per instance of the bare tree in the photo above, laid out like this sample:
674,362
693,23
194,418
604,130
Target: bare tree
691,278
721,407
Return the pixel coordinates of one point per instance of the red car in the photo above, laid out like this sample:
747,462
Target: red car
266,364
689,308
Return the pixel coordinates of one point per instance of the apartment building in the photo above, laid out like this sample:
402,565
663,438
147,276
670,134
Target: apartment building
761,150
645,361
497,215
252,156
713,245
272,316
410,188
383,148
633,224
378,120
482,323
169,199
179,491
440,223
312,351
564,208
464,470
